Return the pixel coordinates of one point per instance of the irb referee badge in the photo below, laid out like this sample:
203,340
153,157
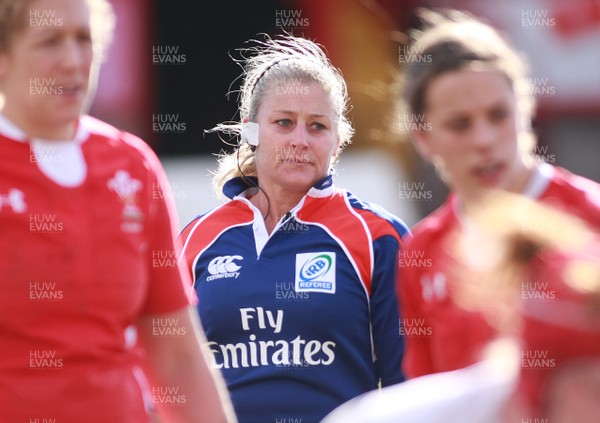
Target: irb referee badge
315,272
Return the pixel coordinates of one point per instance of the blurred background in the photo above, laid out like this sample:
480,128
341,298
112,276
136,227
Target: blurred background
169,71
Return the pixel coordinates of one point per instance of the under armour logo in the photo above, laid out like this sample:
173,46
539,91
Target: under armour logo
15,199
433,288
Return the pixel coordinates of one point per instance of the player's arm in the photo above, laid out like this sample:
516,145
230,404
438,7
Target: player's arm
176,365
389,345
175,360
417,355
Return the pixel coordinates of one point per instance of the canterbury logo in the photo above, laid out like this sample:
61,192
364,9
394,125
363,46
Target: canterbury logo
224,267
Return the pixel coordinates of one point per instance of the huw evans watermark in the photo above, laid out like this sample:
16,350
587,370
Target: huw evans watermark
168,55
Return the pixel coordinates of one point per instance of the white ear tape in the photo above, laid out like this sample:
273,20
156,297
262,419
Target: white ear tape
249,134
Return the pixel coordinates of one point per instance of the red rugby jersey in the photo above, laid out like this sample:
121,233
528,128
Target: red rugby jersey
86,247
440,335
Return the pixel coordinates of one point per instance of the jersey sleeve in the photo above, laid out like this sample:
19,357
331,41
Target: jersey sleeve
185,258
388,343
417,357
169,286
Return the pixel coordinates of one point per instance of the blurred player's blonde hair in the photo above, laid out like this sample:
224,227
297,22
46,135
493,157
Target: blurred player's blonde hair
502,235
13,19
284,58
453,40
534,272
